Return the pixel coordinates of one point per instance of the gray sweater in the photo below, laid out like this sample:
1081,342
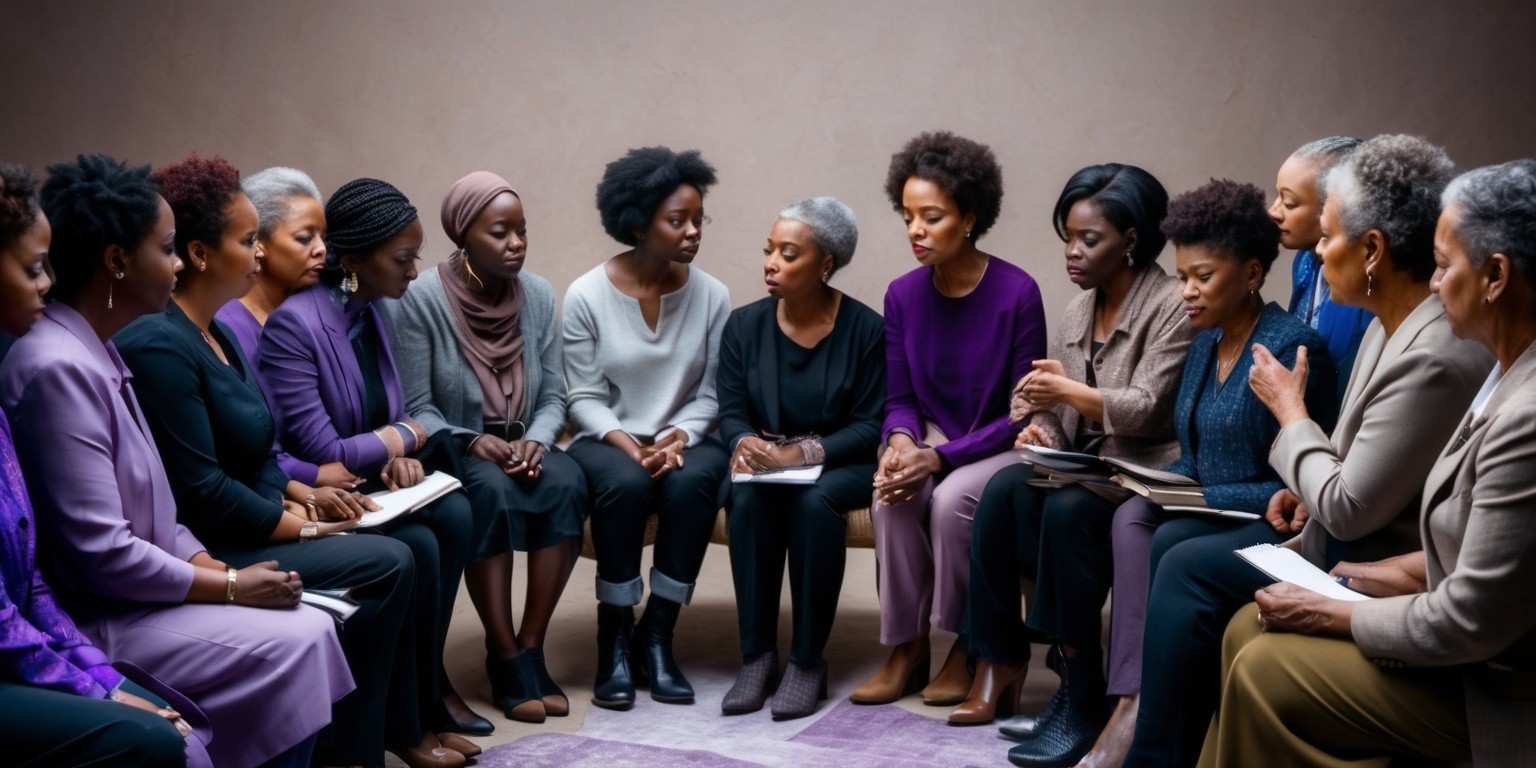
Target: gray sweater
441,390
624,376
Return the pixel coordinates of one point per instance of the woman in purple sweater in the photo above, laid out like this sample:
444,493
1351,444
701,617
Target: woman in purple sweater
960,330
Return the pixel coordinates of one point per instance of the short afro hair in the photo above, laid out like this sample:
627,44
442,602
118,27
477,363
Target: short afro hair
93,203
833,226
270,191
1128,196
966,170
198,190
1498,213
1392,184
1227,217
635,184
18,203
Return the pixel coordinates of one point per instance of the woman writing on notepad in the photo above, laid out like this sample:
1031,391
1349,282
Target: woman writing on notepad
1354,495
325,359
214,432
801,383
1439,667
1107,389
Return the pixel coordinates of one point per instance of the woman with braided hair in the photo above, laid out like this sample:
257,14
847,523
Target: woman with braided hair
335,391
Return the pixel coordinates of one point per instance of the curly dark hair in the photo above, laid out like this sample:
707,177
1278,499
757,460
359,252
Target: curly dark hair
966,170
1228,217
198,190
18,202
635,184
1129,197
93,203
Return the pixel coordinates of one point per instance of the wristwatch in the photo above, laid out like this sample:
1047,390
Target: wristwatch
310,531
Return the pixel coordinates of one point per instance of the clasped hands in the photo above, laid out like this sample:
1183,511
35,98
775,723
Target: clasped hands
139,702
519,459
903,469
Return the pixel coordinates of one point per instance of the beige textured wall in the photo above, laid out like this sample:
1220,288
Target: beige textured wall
787,98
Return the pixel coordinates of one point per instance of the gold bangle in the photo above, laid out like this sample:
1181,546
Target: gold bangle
229,593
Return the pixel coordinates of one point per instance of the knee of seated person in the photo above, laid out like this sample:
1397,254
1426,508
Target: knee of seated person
627,483
144,739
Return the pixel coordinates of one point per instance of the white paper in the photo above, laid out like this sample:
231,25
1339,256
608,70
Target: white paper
797,476
1286,565
325,600
396,503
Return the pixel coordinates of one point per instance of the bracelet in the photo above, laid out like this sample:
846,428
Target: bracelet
309,505
394,443
229,593
812,452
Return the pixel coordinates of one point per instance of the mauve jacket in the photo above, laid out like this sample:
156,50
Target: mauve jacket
315,385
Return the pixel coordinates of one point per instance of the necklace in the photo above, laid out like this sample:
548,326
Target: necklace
1224,367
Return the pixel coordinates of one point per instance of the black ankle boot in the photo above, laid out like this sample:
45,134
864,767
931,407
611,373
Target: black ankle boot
615,688
1079,718
653,659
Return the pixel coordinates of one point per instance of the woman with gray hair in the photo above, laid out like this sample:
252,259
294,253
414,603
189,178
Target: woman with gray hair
291,238
1438,666
801,383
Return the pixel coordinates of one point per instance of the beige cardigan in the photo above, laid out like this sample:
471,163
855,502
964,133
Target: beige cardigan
1405,395
1479,534
1137,370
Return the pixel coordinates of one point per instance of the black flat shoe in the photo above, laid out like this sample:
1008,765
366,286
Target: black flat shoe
468,722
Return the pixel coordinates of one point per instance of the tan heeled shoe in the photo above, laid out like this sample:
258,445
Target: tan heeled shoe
430,754
459,744
994,694
953,682
904,672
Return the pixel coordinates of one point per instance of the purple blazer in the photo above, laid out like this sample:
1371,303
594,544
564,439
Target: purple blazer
111,546
315,385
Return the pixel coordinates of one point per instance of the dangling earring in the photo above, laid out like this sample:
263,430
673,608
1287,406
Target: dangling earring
825,276
1370,283
1129,262
469,271
117,275
349,283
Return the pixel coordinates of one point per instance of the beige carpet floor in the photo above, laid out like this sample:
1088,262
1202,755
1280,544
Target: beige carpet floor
707,647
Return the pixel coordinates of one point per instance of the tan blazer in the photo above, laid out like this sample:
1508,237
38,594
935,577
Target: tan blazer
1479,532
1137,370
1404,398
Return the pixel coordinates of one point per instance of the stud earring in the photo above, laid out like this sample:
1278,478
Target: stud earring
825,276
967,233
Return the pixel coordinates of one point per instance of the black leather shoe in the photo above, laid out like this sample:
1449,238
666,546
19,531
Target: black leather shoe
753,682
467,722
615,687
1063,740
654,660
1022,727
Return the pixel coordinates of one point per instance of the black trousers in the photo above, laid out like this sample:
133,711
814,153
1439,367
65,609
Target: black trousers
40,727
1197,585
1057,538
806,525
382,647
685,502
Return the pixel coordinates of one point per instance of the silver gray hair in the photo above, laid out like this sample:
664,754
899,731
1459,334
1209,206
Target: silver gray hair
1392,184
1326,153
833,226
271,189
1497,213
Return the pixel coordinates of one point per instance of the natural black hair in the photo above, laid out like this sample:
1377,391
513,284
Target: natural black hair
635,184
359,217
93,203
966,170
1228,217
1129,197
18,203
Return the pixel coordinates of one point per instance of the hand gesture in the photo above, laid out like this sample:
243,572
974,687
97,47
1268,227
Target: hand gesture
1282,391
1286,512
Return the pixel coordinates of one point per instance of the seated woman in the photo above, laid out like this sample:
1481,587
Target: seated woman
1225,244
62,702
642,340
1108,388
1439,666
290,249
802,383
1300,189
215,434
960,330
1361,486
478,344
325,359
235,642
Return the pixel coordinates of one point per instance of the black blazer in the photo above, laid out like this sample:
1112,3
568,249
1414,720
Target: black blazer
212,426
747,380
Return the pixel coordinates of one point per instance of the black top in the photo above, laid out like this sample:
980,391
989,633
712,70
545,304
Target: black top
767,384
365,343
211,425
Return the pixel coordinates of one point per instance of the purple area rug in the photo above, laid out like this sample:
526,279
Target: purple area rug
844,735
